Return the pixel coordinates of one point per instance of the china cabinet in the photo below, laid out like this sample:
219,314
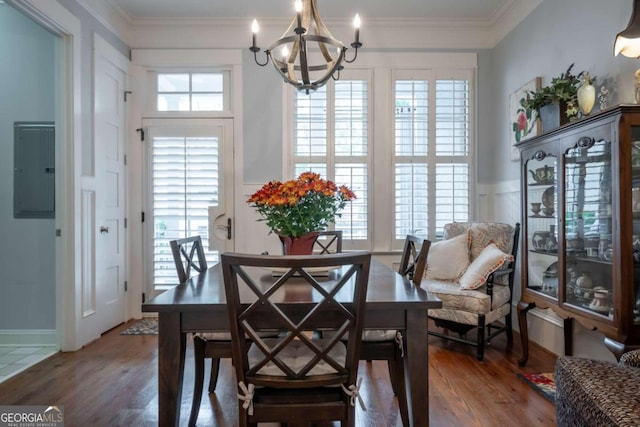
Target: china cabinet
581,227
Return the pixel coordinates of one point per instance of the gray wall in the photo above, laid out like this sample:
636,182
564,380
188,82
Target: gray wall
554,35
262,127
27,250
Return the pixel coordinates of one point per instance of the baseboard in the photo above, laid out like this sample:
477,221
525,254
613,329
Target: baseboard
28,337
546,330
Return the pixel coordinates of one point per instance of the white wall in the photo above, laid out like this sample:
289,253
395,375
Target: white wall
27,250
553,36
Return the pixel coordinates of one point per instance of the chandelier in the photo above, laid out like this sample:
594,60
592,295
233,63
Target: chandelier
307,69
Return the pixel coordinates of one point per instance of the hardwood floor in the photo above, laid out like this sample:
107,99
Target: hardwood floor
113,382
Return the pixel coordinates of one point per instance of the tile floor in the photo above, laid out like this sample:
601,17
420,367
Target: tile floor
14,359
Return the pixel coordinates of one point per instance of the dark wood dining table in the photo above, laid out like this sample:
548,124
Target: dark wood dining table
199,305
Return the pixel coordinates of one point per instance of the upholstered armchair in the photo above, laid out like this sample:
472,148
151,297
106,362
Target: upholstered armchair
472,271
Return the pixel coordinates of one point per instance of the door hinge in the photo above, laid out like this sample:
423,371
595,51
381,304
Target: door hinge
142,216
126,286
141,130
125,160
125,223
144,297
126,92
58,232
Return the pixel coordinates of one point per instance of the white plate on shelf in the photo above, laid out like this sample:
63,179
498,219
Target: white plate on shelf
548,197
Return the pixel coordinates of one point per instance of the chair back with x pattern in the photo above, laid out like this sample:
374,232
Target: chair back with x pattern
414,258
297,376
328,242
188,254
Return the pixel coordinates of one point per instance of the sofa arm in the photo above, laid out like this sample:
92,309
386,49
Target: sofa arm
631,359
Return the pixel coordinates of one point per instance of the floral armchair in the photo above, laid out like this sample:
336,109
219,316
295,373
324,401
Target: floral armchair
472,271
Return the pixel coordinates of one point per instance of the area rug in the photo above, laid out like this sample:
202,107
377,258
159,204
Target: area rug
542,383
147,326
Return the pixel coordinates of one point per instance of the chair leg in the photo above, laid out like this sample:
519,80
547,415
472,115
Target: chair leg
400,389
480,342
508,328
213,378
392,376
198,381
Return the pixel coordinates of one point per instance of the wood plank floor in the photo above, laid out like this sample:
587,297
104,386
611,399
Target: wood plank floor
113,382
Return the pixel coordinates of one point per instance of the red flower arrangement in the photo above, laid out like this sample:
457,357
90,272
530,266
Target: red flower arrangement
305,204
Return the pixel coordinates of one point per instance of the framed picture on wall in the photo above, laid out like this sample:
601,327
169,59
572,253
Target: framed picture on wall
522,122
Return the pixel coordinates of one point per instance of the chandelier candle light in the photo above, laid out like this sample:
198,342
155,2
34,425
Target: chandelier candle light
307,69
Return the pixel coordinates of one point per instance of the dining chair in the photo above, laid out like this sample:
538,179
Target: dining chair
188,255
328,242
296,378
389,344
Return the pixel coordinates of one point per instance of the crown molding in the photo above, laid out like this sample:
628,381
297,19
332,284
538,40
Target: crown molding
110,15
512,15
376,33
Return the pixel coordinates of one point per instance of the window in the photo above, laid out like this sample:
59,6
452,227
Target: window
190,91
431,147
331,138
184,184
420,143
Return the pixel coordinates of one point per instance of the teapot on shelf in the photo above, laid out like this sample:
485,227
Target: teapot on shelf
543,175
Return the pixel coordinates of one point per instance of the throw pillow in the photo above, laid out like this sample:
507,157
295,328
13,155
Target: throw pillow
489,260
448,259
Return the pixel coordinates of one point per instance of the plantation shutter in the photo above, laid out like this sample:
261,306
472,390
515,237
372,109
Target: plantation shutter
331,138
431,154
184,184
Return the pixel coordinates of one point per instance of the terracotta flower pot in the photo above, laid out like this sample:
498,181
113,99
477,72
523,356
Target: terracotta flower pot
302,245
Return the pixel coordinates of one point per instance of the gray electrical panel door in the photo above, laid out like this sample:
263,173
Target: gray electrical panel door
34,170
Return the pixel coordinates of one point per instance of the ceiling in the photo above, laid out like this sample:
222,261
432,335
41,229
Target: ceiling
487,11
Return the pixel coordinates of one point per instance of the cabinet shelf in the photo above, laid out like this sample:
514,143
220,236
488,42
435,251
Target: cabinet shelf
594,260
540,251
546,184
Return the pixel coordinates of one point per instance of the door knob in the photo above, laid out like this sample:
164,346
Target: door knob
104,229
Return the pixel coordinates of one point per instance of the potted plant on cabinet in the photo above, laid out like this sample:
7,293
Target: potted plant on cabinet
557,103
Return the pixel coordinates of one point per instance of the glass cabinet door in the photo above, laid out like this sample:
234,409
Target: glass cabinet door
588,226
635,211
542,223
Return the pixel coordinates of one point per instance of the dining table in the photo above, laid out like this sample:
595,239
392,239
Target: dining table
199,305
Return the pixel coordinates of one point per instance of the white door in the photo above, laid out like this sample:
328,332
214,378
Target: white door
189,191
110,177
